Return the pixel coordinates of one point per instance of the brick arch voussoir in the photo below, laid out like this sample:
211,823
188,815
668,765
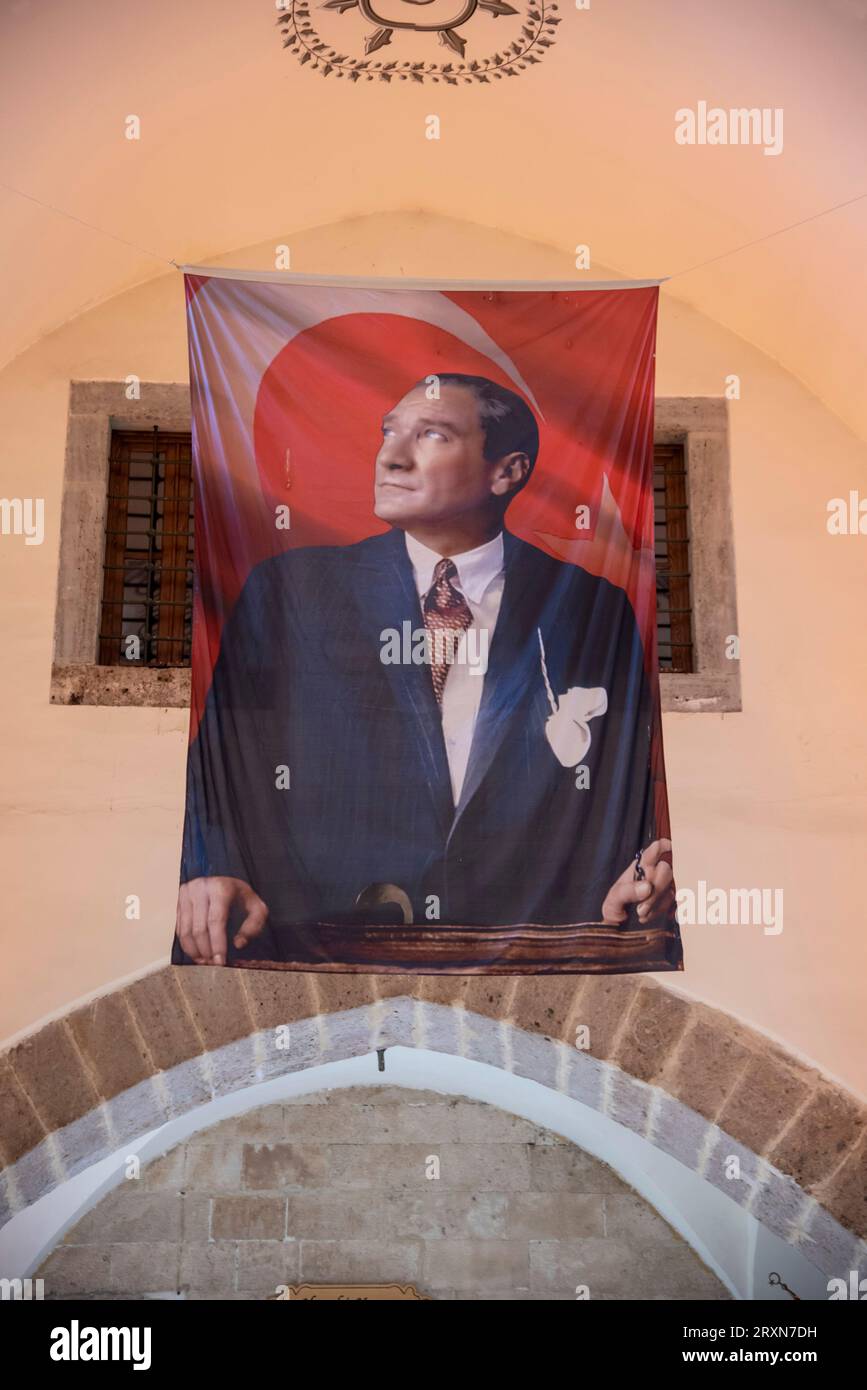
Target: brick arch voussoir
688,1078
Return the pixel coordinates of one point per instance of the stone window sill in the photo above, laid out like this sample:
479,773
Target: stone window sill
75,683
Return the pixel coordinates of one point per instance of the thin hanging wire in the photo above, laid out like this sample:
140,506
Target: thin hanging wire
688,270
757,241
61,212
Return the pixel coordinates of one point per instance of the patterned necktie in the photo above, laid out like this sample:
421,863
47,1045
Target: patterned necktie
446,617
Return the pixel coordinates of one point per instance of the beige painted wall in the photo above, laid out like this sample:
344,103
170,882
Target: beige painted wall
771,797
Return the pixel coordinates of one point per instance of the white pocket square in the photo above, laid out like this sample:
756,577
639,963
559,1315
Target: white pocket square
567,729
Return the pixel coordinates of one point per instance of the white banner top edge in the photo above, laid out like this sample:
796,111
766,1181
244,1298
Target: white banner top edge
291,277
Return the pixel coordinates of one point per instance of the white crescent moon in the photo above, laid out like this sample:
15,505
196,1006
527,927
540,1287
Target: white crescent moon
282,311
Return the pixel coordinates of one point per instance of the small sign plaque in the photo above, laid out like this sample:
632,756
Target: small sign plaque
351,1293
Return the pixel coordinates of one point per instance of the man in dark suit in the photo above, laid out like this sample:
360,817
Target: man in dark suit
442,717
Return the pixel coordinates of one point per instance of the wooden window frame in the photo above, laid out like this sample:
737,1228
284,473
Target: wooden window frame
669,464
96,408
166,563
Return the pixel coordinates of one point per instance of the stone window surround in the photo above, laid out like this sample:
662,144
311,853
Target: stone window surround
699,423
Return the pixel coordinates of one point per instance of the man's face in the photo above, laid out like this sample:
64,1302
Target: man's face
430,467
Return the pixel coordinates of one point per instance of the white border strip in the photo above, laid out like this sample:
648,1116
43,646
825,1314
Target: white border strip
291,277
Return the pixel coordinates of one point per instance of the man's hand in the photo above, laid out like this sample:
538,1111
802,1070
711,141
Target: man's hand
654,894
204,905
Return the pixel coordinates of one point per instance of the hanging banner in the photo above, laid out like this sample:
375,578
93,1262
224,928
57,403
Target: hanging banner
425,728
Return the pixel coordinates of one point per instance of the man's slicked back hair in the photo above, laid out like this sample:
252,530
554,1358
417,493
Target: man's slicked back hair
508,423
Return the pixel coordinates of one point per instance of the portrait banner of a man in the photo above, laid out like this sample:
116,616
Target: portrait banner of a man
425,730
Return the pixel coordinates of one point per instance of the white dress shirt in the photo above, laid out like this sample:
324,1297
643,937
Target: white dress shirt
480,578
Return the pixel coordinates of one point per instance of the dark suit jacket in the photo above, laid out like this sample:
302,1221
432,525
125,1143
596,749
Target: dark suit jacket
299,684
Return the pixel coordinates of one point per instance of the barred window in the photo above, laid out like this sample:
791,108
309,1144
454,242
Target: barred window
148,581
147,588
671,543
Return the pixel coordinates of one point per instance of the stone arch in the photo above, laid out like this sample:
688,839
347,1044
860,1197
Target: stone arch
688,1079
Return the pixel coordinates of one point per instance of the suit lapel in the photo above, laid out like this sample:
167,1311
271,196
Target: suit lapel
387,598
513,665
